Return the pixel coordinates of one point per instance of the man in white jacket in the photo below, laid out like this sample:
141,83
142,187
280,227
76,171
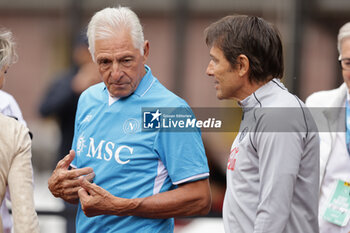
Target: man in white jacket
331,109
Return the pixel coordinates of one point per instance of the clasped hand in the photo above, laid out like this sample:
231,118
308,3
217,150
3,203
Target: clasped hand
95,201
75,184
65,183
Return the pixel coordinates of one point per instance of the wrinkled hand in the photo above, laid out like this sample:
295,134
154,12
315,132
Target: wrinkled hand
65,183
95,201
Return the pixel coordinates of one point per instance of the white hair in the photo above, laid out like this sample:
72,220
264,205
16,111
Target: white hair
8,53
344,32
108,22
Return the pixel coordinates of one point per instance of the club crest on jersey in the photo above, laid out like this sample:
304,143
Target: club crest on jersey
151,119
131,126
243,134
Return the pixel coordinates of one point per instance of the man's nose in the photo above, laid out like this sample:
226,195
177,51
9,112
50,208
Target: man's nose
116,71
209,70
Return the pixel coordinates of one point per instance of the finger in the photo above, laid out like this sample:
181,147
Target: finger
72,191
84,183
67,190
90,176
71,185
66,161
74,196
76,173
82,194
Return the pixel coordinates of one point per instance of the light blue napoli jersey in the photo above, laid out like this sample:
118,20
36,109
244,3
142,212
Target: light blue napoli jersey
129,162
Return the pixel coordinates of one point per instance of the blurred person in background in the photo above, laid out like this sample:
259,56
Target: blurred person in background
272,174
16,170
61,98
142,179
334,125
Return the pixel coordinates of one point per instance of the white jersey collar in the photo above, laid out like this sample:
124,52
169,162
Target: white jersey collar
111,99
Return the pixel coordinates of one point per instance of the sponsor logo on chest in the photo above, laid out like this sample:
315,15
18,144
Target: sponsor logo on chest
104,150
232,159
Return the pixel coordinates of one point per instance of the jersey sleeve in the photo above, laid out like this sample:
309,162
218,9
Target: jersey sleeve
183,154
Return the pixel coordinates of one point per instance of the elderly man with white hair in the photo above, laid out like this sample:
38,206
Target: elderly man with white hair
332,114
142,178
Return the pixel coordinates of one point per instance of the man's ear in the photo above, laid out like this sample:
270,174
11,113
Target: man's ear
243,65
145,50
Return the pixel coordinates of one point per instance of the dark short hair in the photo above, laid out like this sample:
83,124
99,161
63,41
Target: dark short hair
253,37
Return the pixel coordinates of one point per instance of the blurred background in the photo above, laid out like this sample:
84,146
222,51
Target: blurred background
46,32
